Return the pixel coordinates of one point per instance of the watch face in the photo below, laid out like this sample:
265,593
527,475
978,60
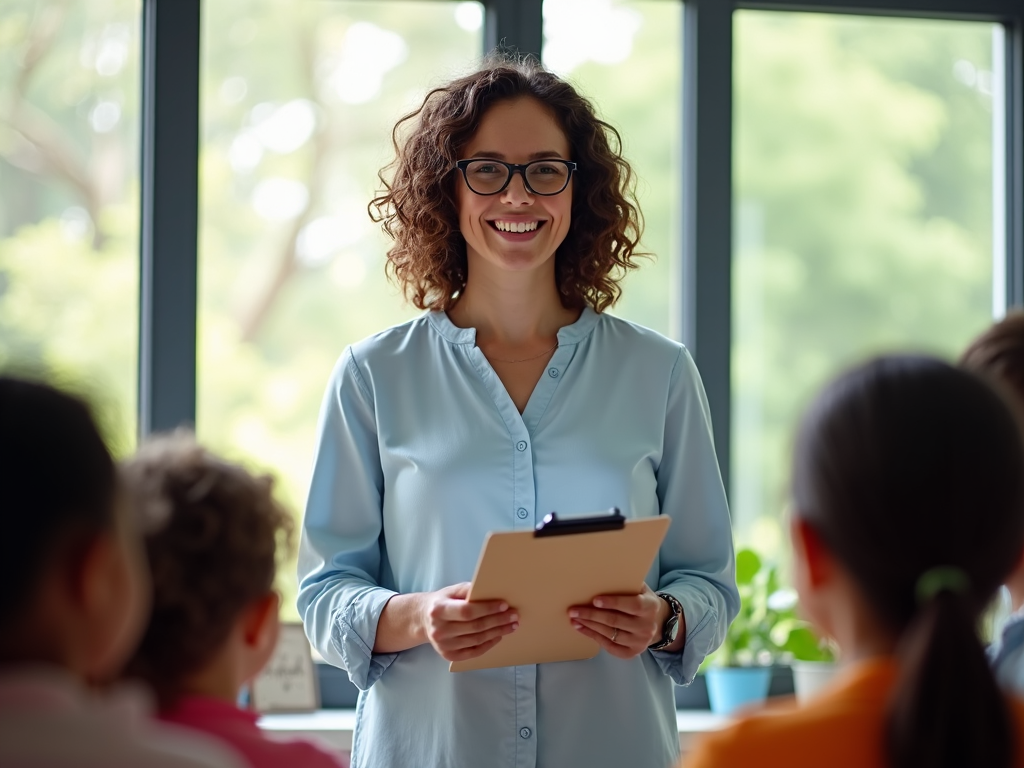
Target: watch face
672,629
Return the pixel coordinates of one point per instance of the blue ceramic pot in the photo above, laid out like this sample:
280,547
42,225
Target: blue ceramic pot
730,688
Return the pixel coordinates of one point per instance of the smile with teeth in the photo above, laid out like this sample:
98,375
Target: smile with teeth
515,226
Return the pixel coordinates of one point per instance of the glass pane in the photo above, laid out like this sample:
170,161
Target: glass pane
298,104
863,216
69,148
626,56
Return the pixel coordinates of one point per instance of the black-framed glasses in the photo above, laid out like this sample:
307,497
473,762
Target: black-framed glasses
542,177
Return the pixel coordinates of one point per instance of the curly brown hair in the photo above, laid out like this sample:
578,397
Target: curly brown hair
214,532
418,211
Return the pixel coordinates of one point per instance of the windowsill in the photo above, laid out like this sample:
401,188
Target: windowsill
332,728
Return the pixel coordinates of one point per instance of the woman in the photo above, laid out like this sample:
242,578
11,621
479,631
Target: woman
908,500
515,395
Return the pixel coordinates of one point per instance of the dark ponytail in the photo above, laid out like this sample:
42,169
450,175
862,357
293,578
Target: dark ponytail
947,709
907,468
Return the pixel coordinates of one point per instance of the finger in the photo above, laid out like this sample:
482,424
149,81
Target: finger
469,641
447,629
611,619
459,591
471,653
631,604
463,610
614,649
606,631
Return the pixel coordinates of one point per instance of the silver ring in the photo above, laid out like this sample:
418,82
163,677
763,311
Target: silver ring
615,634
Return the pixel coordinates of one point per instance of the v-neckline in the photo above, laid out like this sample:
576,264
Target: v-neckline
568,337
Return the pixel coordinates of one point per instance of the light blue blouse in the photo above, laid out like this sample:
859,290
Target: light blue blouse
421,452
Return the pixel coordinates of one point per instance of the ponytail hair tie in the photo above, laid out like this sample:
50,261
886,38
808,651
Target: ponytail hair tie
942,578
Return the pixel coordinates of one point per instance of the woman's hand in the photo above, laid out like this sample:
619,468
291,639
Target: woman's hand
624,625
459,629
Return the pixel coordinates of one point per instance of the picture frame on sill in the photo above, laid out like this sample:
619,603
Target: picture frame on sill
289,681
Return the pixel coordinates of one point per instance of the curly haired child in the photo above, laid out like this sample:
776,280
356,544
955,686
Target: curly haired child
216,534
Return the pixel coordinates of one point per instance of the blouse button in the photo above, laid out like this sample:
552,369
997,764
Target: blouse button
521,445
525,732
553,373
521,513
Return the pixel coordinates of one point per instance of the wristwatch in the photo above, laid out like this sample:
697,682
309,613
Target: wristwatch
670,631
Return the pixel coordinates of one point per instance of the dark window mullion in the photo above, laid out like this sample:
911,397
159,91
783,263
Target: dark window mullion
961,10
169,197
1014,79
707,207
514,24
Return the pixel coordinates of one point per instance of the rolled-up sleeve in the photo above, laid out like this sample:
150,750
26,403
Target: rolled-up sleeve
697,563
341,551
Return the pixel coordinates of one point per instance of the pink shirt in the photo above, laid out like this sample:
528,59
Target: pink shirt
238,728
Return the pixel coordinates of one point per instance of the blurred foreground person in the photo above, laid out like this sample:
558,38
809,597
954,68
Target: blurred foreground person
999,355
907,499
74,598
212,551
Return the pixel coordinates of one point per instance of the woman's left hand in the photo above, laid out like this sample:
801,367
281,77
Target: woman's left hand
624,625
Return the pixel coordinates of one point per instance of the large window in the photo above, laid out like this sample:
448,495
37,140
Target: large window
865,207
69,130
862,218
299,100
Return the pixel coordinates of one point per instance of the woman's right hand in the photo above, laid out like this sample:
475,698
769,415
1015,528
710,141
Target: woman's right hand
459,629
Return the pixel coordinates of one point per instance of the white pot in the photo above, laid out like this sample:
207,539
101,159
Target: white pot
811,676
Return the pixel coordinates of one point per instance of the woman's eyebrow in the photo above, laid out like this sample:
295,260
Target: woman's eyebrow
534,156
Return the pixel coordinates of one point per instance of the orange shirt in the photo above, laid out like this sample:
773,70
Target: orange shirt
841,728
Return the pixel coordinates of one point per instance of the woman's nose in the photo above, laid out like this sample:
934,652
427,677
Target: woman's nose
516,191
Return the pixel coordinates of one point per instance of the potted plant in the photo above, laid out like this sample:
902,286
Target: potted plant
813,660
739,672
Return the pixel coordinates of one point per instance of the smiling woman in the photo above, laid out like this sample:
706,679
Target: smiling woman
514,395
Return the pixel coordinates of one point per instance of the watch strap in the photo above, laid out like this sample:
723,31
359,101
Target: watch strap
671,626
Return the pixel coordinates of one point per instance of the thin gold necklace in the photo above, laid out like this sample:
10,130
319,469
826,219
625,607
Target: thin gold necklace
523,359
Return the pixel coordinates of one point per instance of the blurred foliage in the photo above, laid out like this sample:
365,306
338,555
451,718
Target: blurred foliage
862,174
863,217
767,629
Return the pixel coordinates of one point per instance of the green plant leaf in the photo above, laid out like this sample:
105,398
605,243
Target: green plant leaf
747,566
806,646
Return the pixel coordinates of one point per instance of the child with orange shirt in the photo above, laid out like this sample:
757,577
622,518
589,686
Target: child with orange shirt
907,497
212,555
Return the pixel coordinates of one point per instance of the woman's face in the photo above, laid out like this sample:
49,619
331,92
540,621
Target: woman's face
515,131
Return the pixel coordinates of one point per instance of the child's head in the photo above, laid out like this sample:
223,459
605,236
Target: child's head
998,354
74,584
908,490
212,554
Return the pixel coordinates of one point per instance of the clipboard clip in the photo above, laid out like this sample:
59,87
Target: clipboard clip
551,525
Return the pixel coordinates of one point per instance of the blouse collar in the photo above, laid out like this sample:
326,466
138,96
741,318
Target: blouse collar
569,334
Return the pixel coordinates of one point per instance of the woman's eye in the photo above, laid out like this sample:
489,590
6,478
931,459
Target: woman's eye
549,169
485,169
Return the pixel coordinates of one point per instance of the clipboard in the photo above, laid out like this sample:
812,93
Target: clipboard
564,562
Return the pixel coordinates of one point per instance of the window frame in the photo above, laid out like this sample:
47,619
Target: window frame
170,180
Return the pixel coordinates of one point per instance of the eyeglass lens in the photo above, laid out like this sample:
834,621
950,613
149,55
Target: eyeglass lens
486,177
